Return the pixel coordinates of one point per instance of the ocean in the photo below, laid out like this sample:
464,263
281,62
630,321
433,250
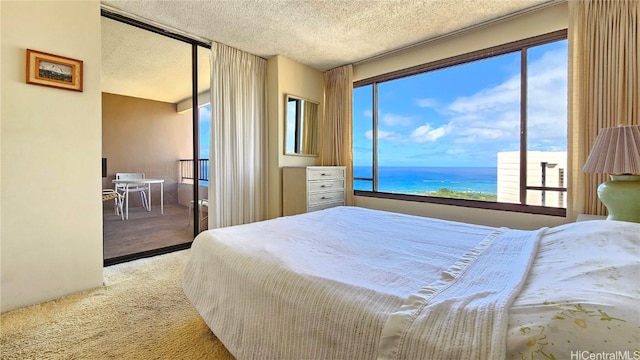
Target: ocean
416,180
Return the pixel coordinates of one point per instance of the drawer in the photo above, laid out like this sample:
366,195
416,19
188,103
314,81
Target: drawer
326,185
325,173
325,205
323,197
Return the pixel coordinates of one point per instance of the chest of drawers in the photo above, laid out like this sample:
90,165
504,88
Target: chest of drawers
312,188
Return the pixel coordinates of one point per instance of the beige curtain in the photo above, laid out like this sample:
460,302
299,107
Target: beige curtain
603,87
336,127
238,172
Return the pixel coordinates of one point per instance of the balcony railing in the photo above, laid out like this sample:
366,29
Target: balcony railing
186,169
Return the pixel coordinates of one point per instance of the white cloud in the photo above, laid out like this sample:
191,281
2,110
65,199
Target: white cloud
205,113
494,113
483,134
368,113
396,120
426,102
384,135
426,133
368,134
547,113
493,99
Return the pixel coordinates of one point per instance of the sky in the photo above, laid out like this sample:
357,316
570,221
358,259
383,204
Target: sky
205,131
464,115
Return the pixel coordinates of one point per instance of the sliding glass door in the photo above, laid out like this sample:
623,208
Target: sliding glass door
151,84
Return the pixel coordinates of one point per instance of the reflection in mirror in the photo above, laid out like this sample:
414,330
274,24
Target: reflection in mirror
301,127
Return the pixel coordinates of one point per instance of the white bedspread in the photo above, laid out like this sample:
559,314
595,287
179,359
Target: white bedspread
464,314
329,284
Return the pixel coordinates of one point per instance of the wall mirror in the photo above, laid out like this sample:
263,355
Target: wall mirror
301,130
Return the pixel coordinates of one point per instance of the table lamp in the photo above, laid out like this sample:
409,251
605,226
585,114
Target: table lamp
616,151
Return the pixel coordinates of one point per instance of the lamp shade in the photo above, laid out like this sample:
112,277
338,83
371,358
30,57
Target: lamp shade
615,151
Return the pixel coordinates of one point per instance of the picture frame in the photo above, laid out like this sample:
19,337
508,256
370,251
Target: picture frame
54,70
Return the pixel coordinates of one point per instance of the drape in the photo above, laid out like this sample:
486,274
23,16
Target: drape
310,126
336,130
603,87
238,172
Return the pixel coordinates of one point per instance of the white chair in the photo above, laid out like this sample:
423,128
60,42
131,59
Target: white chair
130,187
203,206
111,194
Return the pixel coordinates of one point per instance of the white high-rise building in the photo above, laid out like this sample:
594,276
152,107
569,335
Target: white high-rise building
544,168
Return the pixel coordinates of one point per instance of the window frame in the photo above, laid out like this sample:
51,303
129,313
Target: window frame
517,46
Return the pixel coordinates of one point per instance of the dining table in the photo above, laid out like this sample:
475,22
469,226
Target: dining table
138,182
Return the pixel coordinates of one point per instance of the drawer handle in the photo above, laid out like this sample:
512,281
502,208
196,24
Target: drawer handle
323,174
325,186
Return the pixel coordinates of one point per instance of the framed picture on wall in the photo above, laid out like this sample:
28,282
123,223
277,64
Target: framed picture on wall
54,70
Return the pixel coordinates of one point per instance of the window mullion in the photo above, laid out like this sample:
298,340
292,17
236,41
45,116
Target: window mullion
374,129
523,126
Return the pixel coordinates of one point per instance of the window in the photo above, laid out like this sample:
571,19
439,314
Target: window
486,129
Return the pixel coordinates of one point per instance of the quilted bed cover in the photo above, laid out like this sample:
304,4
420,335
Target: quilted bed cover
354,283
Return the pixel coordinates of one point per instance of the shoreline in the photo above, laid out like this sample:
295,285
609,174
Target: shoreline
455,194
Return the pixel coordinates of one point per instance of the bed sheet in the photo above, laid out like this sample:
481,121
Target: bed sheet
341,294
582,295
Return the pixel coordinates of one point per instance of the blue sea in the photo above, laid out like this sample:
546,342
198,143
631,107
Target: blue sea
417,180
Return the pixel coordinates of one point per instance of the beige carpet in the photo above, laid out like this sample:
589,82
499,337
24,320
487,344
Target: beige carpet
140,313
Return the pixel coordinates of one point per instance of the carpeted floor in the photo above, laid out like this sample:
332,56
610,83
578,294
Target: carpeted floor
140,313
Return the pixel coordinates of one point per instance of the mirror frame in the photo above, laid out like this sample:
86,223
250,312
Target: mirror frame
297,128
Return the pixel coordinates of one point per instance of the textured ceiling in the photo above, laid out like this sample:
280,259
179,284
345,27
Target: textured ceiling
320,34
146,65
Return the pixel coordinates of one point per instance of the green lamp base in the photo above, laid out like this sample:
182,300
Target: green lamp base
621,196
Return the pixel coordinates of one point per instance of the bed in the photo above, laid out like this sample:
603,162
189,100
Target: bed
355,283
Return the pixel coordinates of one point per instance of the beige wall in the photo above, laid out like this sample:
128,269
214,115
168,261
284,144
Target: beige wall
147,136
51,219
521,27
286,77
457,213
